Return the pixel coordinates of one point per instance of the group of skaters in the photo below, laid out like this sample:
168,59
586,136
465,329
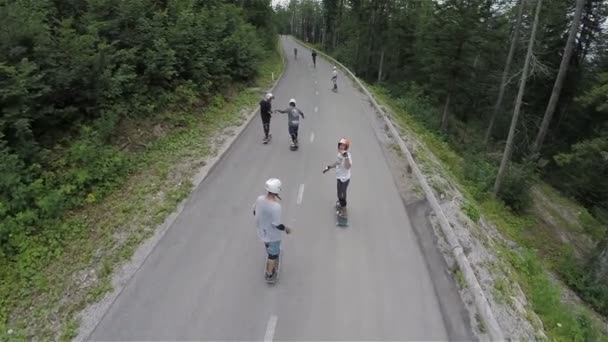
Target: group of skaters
267,207
334,75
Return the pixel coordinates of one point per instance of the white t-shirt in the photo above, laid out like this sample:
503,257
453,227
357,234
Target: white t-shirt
342,173
267,216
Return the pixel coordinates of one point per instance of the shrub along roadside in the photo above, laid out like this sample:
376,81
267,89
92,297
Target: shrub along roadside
69,265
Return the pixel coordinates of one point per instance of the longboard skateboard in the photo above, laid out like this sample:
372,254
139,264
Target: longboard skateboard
341,219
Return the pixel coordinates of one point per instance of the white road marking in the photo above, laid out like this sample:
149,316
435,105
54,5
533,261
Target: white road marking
300,193
316,92
316,82
312,137
316,109
270,327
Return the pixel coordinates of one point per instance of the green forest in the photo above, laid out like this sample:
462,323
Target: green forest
518,89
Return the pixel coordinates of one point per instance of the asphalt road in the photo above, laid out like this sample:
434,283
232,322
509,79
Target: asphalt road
370,281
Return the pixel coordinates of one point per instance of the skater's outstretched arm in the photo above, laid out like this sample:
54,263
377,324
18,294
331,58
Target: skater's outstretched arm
330,166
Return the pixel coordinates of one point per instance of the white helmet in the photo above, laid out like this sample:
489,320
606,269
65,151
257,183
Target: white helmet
268,96
292,101
335,67
273,185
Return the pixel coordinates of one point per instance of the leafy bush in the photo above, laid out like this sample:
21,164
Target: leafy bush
580,276
479,174
582,171
515,188
471,211
415,102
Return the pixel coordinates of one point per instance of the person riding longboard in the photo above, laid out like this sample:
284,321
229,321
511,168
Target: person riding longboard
343,166
267,212
293,122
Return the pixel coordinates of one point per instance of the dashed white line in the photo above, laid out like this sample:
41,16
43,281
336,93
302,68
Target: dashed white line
317,92
270,327
300,193
316,82
316,109
312,136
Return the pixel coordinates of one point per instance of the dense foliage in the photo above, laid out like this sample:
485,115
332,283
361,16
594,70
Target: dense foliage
71,71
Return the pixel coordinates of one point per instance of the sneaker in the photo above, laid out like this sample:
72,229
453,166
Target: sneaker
265,140
269,276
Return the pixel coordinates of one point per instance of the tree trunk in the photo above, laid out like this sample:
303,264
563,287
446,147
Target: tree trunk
293,18
559,82
453,75
506,157
381,65
446,108
505,73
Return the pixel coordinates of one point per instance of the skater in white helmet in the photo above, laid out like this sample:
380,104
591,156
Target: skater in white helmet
267,212
294,121
334,78
342,165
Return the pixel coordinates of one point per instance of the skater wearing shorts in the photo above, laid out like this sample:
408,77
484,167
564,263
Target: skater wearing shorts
294,121
265,113
267,212
342,166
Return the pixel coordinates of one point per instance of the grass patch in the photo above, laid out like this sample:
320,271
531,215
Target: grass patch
502,291
42,291
480,325
471,211
460,278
